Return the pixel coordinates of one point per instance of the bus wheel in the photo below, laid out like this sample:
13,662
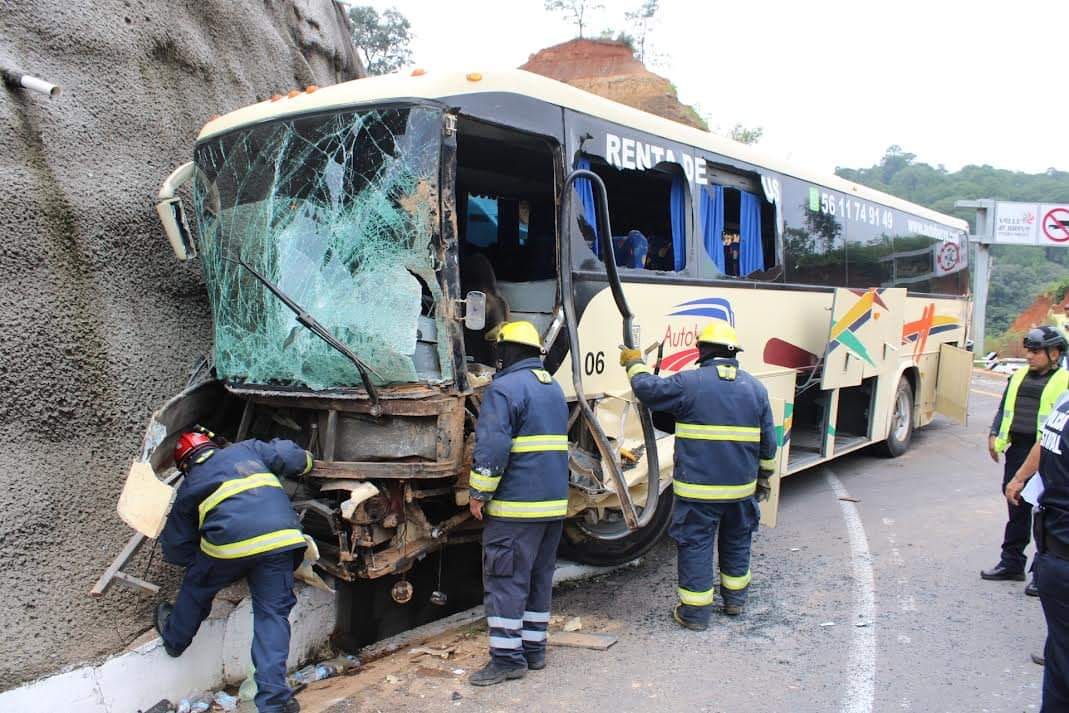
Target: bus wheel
901,431
601,545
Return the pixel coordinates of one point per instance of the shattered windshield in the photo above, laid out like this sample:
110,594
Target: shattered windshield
340,212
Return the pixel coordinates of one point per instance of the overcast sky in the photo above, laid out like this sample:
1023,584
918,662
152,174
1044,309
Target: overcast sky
831,83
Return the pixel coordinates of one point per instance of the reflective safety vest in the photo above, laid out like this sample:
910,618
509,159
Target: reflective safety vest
520,464
231,503
725,437
1056,384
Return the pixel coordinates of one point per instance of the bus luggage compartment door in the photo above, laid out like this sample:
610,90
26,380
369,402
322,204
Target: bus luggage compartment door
866,331
952,382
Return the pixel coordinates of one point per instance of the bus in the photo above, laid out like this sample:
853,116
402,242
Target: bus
359,243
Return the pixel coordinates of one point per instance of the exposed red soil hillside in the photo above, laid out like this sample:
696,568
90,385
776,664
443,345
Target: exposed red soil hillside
609,69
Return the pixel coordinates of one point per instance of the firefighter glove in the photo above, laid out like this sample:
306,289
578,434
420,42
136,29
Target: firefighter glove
629,356
764,489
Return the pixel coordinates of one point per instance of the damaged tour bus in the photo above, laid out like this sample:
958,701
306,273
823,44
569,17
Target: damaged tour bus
359,241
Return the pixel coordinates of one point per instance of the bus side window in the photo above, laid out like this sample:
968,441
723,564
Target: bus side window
647,213
738,232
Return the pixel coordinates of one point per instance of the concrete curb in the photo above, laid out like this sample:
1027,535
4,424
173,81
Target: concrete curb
135,680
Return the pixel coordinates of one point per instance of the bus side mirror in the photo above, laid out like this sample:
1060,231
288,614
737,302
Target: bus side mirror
475,310
173,215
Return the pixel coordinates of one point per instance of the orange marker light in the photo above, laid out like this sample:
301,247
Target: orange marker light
474,76
275,97
292,93
310,88
417,72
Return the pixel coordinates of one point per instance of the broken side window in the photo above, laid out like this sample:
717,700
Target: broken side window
340,211
647,213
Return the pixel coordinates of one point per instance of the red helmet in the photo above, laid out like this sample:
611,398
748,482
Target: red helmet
188,443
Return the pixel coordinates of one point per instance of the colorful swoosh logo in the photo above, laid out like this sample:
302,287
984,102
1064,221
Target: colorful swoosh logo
843,331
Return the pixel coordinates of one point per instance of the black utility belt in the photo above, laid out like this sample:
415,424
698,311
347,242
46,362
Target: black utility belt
1053,546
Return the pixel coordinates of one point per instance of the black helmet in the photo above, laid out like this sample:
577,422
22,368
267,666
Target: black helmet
1044,338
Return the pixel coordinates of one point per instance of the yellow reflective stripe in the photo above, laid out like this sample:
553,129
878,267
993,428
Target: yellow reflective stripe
308,465
233,487
483,483
714,492
254,545
767,464
735,582
695,599
528,508
726,371
699,431
638,368
532,444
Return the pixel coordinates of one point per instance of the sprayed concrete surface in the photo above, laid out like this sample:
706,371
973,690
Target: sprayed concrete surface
941,638
101,323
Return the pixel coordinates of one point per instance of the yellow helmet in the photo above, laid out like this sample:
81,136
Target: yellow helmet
521,332
720,332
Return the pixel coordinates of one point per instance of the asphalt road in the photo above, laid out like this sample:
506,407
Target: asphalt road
869,606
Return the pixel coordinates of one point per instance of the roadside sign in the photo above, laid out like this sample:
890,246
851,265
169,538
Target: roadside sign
1056,224
1045,224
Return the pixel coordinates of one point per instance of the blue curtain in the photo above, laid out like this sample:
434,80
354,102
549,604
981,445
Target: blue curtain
678,211
586,197
751,253
712,214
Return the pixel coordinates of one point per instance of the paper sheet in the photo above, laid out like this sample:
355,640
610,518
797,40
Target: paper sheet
1033,489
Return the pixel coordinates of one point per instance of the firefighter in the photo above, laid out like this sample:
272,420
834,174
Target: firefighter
1029,396
232,519
519,482
724,456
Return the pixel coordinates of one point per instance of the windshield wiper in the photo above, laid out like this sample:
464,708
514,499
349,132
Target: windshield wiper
319,330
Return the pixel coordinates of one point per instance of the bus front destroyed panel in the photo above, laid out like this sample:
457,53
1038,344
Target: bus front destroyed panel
340,211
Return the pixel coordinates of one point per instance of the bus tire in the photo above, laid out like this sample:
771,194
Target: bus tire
581,547
900,432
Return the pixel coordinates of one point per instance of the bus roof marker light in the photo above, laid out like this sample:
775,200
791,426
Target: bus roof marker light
275,97
310,88
474,76
292,93
418,72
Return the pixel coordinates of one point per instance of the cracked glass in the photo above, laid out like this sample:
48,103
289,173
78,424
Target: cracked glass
340,212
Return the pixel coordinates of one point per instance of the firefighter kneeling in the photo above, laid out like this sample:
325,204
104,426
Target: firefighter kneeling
519,478
232,519
724,456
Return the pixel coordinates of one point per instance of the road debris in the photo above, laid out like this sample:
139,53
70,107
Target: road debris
442,653
828,623
598,642
573,624
850,498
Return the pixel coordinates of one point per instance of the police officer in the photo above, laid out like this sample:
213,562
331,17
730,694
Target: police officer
1051,456
232,519
1028,398
519,481
724,456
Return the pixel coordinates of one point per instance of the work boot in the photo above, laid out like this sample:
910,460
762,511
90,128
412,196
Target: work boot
536,662
1031,589
1038,659
692,625
1001,572
292,706
733,609
163,610
494,673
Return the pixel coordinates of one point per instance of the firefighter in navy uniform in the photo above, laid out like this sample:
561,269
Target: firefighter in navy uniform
1051,455
724,456
232,519
519,480
1029,397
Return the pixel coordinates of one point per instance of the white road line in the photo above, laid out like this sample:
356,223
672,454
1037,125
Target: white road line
860,690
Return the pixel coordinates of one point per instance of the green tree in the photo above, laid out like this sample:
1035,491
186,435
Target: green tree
381,39
576,10
642,20
746,135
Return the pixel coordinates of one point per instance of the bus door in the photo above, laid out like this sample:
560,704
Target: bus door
864,335
952,383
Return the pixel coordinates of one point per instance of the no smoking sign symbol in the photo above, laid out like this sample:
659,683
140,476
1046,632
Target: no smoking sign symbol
1056,225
